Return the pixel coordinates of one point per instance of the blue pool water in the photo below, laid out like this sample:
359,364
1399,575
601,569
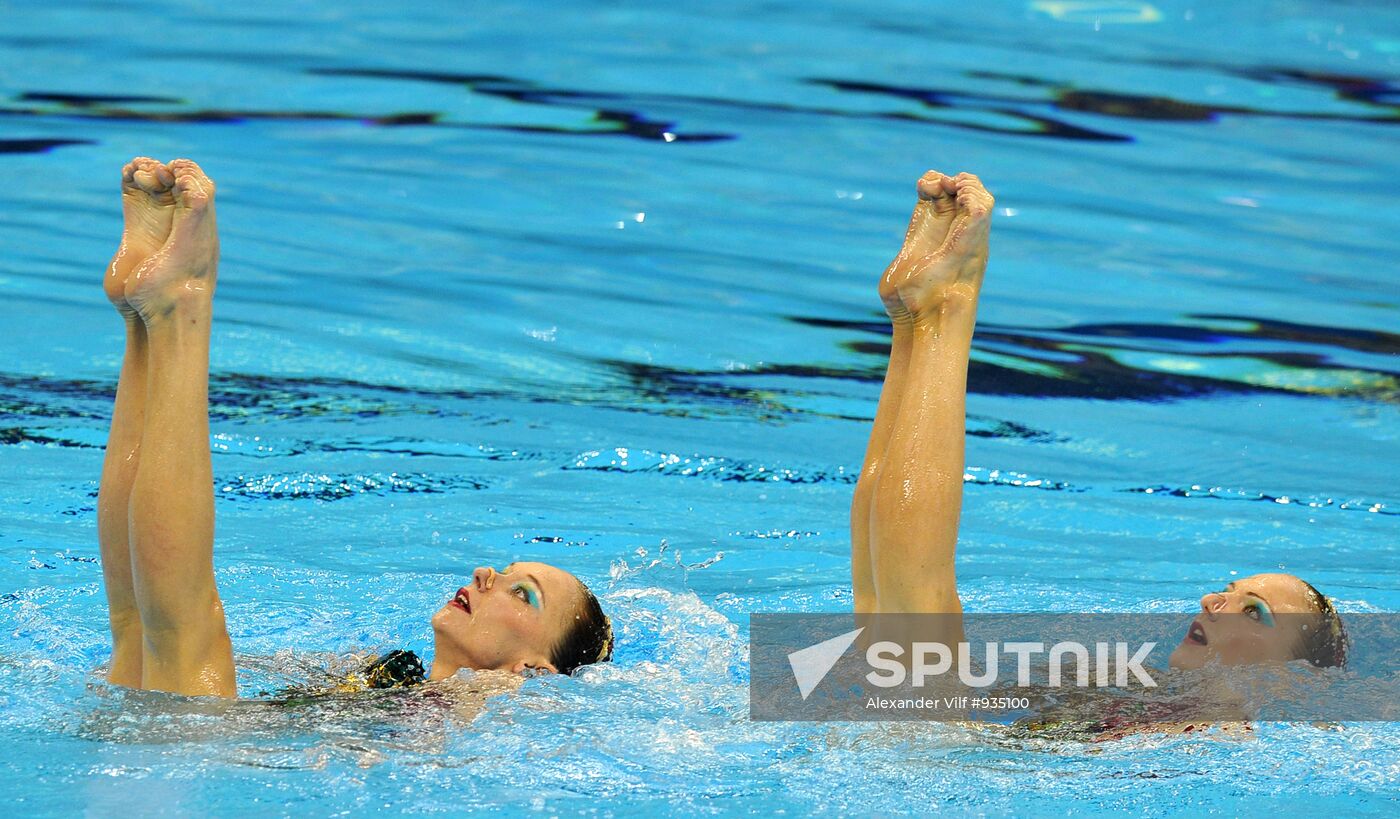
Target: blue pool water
595,285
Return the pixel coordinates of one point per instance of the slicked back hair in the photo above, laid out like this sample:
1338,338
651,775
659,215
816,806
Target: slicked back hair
590,638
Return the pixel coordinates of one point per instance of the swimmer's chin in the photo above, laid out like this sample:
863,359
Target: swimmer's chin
1187,656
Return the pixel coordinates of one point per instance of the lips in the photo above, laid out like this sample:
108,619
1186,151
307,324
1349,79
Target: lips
1196,634
462,600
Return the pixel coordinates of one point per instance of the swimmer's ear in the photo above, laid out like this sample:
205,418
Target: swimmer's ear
527,669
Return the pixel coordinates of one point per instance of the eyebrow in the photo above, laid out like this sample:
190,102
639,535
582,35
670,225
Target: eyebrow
538,586
1231,587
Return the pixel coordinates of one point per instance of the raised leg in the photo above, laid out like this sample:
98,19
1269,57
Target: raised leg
185,644
928,227
147,205
917,496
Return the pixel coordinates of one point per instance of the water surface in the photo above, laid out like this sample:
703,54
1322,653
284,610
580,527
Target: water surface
596,287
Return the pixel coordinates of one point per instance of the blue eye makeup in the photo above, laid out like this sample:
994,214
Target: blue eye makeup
526,593
1259,610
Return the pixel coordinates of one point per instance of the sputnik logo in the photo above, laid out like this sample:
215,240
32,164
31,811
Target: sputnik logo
811,665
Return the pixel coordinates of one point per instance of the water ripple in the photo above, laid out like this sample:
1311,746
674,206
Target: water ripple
323,487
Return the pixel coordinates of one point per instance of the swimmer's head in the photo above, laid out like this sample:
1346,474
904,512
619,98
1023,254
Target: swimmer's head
1260,620
531,617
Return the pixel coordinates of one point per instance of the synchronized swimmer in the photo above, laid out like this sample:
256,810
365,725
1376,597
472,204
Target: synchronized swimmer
155,508
156,504
904,517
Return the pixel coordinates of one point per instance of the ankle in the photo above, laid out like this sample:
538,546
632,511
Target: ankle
186,307
135,325
956,308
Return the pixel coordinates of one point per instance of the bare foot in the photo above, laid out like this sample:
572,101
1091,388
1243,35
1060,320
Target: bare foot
183,271
148,205
945,249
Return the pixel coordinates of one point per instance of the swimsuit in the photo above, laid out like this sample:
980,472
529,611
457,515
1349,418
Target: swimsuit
397,669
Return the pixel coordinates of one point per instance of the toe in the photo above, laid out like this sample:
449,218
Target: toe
189,193
133,170
145,180
192,188
930,185
151,176
186,166
968,181
971,193
187,169
976,206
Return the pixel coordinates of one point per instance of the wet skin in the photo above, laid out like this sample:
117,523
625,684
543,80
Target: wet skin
906,506
1257,620
509,620
155,506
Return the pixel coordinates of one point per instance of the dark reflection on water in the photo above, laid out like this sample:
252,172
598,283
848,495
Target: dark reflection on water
91,100
526,92
608,120
38,146
1124,105
622,121
1103,361
1087,361
1353,87
941,98
1368,341
88,108
610,113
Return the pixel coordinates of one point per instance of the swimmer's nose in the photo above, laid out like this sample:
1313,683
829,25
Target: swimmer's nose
484,577
1212,603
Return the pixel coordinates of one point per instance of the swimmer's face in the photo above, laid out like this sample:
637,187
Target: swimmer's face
1258,620
509,620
